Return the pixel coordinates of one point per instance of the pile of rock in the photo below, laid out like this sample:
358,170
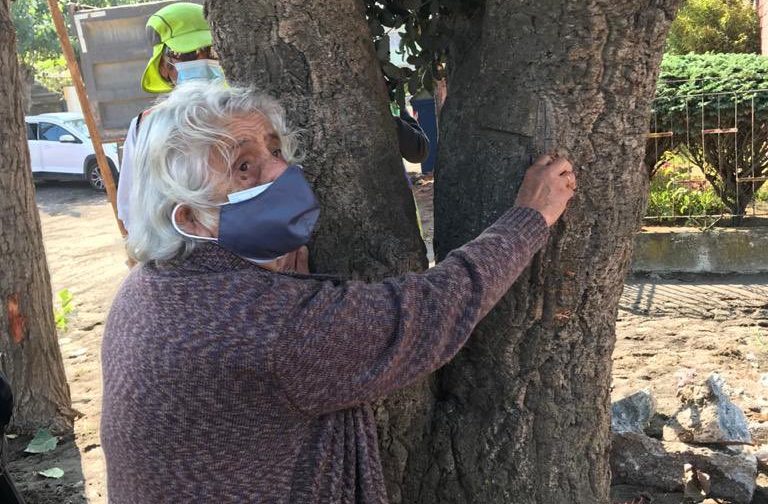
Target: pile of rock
703,450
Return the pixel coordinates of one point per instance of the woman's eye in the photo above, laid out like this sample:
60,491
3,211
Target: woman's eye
276,153
244,167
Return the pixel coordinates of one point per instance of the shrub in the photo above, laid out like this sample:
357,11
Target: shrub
710,92
672,194
720,26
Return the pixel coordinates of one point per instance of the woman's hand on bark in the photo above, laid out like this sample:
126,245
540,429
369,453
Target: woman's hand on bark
547,187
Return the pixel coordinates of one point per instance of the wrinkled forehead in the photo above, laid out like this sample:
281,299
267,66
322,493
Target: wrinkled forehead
254,128
251,132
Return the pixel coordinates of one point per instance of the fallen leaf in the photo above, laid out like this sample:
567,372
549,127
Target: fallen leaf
53,472
43,442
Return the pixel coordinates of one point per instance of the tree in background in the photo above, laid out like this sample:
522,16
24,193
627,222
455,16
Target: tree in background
29,349
522,414
720,26
37,44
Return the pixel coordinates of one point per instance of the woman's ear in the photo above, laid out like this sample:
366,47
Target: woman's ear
186,221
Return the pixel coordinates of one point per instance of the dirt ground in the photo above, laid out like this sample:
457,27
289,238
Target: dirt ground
665,325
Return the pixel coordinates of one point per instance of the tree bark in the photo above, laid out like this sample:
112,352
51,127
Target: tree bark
319,61
523,413
29,349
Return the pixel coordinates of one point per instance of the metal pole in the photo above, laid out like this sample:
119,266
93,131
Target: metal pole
90,121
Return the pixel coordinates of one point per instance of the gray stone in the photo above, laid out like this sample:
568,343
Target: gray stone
762,456
637,459
655,428
759,432
633,413
696,484
707,416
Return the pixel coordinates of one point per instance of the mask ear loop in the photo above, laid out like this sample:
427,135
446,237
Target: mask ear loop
182,232
208,238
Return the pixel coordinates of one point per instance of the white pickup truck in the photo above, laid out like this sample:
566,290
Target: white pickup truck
61,149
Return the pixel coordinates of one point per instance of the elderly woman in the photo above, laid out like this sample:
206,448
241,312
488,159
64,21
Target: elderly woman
226,380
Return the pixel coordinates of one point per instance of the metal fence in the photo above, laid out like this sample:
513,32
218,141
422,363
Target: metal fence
710,151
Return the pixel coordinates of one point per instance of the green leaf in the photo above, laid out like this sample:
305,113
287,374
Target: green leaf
382,49
388,19
376,29
407,4
65,297
43,442
414,83
61,313
393,72
400,96
53,472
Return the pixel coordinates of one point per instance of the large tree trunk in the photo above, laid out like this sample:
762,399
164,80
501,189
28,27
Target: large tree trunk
524,413
29,350
317,58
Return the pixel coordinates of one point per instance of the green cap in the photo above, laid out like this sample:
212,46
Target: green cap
180,26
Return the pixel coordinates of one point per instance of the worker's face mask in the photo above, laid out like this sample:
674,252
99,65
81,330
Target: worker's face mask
202,69
266,222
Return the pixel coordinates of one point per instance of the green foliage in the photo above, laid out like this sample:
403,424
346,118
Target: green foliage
670,197
715,91
52,73
35,35
679,194
762,194
720,26
62,312
424,31
695,74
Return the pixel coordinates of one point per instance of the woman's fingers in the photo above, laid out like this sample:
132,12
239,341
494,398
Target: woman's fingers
560,166
570,178
544,160
548,187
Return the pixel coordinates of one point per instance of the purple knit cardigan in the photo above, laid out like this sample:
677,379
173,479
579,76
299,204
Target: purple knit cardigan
226,383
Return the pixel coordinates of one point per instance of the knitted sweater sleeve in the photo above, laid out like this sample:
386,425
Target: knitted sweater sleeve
353,343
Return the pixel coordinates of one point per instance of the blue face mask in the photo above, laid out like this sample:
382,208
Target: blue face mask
266,222
203,69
